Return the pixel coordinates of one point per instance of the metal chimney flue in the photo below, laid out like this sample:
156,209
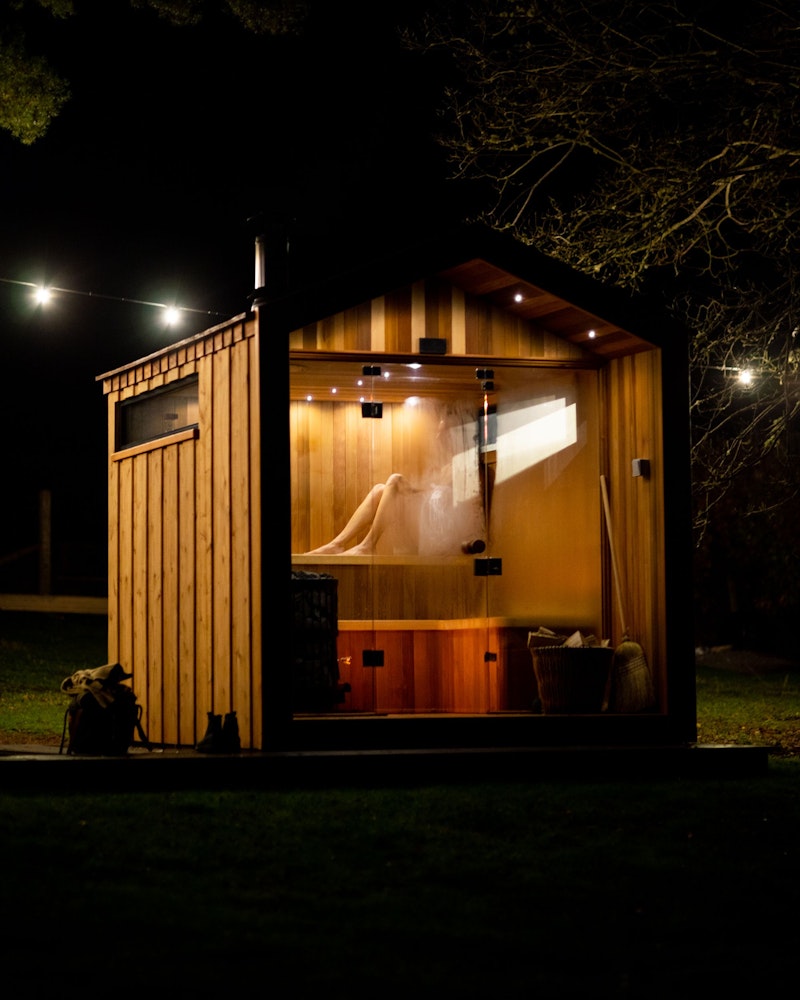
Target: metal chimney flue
271,277
261,264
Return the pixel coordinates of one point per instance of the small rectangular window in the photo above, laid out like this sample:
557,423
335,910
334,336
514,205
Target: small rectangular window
156,414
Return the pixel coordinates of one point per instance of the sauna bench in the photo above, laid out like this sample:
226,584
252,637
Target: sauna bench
419,593
439,624
373,560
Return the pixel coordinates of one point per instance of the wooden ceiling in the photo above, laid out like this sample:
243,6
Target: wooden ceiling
553,313
322,377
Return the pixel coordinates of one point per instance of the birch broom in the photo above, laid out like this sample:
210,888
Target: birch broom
631,681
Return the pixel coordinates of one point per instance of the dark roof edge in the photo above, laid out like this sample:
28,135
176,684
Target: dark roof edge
425,258
175,346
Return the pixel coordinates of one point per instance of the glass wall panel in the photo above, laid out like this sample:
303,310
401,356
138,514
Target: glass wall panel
544,520
454,507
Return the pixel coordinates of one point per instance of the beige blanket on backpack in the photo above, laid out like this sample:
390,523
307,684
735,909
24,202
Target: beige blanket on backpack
100,682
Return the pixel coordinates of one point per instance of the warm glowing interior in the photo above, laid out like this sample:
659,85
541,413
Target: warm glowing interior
514,468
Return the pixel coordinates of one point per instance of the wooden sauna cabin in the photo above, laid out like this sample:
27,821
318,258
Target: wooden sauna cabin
342,513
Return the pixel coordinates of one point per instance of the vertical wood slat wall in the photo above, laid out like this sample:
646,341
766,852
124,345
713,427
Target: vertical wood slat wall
184,544
633,420
434,670
470,326
631,427
328,438
184,515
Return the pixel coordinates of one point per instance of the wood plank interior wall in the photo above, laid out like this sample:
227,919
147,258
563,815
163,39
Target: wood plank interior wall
632,402
184,551
335,462
430,670
545,517
337,457
431,308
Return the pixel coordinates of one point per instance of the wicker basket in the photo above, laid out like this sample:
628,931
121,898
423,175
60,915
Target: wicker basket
572,679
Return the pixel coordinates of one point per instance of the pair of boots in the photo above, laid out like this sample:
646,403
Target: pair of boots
221,737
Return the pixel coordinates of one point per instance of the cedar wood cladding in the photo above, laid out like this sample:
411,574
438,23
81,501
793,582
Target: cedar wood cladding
184,545
184,515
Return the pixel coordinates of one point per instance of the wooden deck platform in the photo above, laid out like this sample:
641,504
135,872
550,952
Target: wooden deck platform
32,768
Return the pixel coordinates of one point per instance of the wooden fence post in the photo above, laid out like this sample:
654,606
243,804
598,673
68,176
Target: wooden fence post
45,542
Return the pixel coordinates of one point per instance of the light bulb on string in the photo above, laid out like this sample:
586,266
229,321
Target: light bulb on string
42,295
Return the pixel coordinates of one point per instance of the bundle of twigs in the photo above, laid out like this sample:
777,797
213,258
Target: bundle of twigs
631,687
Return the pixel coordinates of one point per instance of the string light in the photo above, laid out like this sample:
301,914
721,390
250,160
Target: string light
744,376
43,294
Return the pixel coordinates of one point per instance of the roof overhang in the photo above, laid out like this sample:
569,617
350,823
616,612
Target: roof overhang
509,275
548,311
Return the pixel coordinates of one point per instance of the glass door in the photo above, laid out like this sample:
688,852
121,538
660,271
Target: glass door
451,507
388,500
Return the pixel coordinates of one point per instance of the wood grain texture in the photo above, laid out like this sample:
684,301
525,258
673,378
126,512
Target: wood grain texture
185,574
435,667
184,553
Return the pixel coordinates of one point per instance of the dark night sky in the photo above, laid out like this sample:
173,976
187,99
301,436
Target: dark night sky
143,188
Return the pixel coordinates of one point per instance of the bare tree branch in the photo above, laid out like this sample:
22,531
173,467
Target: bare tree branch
655,146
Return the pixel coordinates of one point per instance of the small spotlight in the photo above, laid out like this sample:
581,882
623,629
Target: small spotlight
42,296
171,315
518,297
592,335
746,376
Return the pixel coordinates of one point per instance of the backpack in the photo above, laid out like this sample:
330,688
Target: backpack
103,714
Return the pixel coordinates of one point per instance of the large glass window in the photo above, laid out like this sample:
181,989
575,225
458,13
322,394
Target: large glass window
455,507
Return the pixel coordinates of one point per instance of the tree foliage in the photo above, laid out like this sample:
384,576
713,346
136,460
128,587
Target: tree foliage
33,92
262,17
655,146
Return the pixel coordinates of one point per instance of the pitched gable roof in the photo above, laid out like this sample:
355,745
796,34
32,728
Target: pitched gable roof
493,266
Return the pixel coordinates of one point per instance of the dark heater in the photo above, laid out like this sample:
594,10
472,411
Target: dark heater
315,626
432,345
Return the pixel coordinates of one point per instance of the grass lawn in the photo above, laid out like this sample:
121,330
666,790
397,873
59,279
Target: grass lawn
630,889
37,651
